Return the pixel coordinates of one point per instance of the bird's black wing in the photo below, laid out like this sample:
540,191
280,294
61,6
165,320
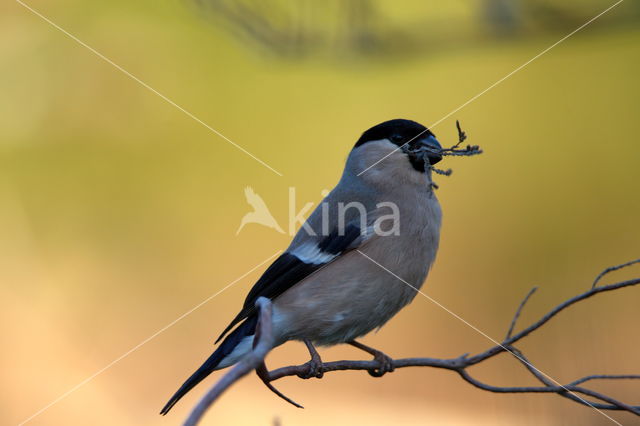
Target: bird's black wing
292,267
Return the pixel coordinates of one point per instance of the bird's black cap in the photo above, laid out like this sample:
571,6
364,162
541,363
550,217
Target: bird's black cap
399,131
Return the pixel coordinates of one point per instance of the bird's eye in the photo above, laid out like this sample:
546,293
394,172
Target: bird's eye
396,138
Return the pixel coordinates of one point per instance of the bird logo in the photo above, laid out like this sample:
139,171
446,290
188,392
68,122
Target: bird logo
260,214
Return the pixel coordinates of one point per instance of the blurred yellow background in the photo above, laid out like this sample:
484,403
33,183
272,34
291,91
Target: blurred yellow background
118,212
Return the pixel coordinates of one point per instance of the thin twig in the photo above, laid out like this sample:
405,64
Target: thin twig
447,172
263,373
518,311
604,377
611,269
453,151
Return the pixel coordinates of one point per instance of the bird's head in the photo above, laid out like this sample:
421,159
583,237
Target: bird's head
404,145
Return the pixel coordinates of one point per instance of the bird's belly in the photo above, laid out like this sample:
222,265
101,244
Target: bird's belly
339,326
335,309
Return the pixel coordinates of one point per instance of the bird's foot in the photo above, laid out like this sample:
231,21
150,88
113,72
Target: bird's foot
385,362
314,365
314,369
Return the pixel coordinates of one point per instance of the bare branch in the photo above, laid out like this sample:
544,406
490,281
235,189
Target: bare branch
518,311
611,269
263,373
605,377
316,368
555,311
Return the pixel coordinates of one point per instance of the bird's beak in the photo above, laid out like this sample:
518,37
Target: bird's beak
431,147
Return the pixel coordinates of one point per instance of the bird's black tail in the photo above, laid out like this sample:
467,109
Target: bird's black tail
245,329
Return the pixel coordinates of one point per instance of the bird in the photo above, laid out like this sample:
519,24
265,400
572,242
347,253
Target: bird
260,213
338,279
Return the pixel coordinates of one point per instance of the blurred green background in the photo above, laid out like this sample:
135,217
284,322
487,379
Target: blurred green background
118,212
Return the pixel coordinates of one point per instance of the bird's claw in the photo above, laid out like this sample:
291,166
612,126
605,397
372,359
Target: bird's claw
314,369
314,365
386,365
